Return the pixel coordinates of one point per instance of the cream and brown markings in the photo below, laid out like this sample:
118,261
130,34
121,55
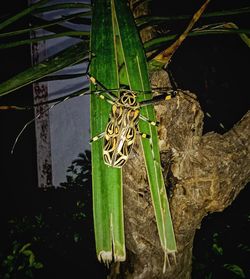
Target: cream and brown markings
121,130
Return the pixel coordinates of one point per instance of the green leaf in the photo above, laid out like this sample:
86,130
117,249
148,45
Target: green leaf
217,249
24,247
78,34
107,181
243,247
38,265
237,270
138,80
115,42
146,21
20,267
62,6
23,13
165,56
209,276
10,257
163,41
68,57
45,24
31,258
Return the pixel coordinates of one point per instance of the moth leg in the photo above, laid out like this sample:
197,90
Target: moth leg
148,137
144,136
101,96
110,96
95,138
159,98
153,123
96,83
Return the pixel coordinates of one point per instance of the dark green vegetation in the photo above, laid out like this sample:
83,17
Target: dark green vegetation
221,247
50,233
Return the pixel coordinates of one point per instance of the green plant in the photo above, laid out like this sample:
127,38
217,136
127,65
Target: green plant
21,262
222,254
79,172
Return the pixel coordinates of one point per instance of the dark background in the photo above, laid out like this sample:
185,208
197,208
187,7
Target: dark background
214,67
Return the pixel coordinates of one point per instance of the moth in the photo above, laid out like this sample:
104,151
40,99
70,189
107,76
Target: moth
122,128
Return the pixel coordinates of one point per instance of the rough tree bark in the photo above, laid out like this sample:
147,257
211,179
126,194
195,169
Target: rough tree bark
207,172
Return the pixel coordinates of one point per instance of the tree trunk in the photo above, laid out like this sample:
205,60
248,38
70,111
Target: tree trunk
205,172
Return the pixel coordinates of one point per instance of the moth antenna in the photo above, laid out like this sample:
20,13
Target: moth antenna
32,120
49,108
215,120
173,83
13,107
39,114
20,133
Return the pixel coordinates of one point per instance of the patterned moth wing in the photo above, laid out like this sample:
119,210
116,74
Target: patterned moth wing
121,130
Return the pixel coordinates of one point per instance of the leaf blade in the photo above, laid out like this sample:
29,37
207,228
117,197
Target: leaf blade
136,68
107,181
67,57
